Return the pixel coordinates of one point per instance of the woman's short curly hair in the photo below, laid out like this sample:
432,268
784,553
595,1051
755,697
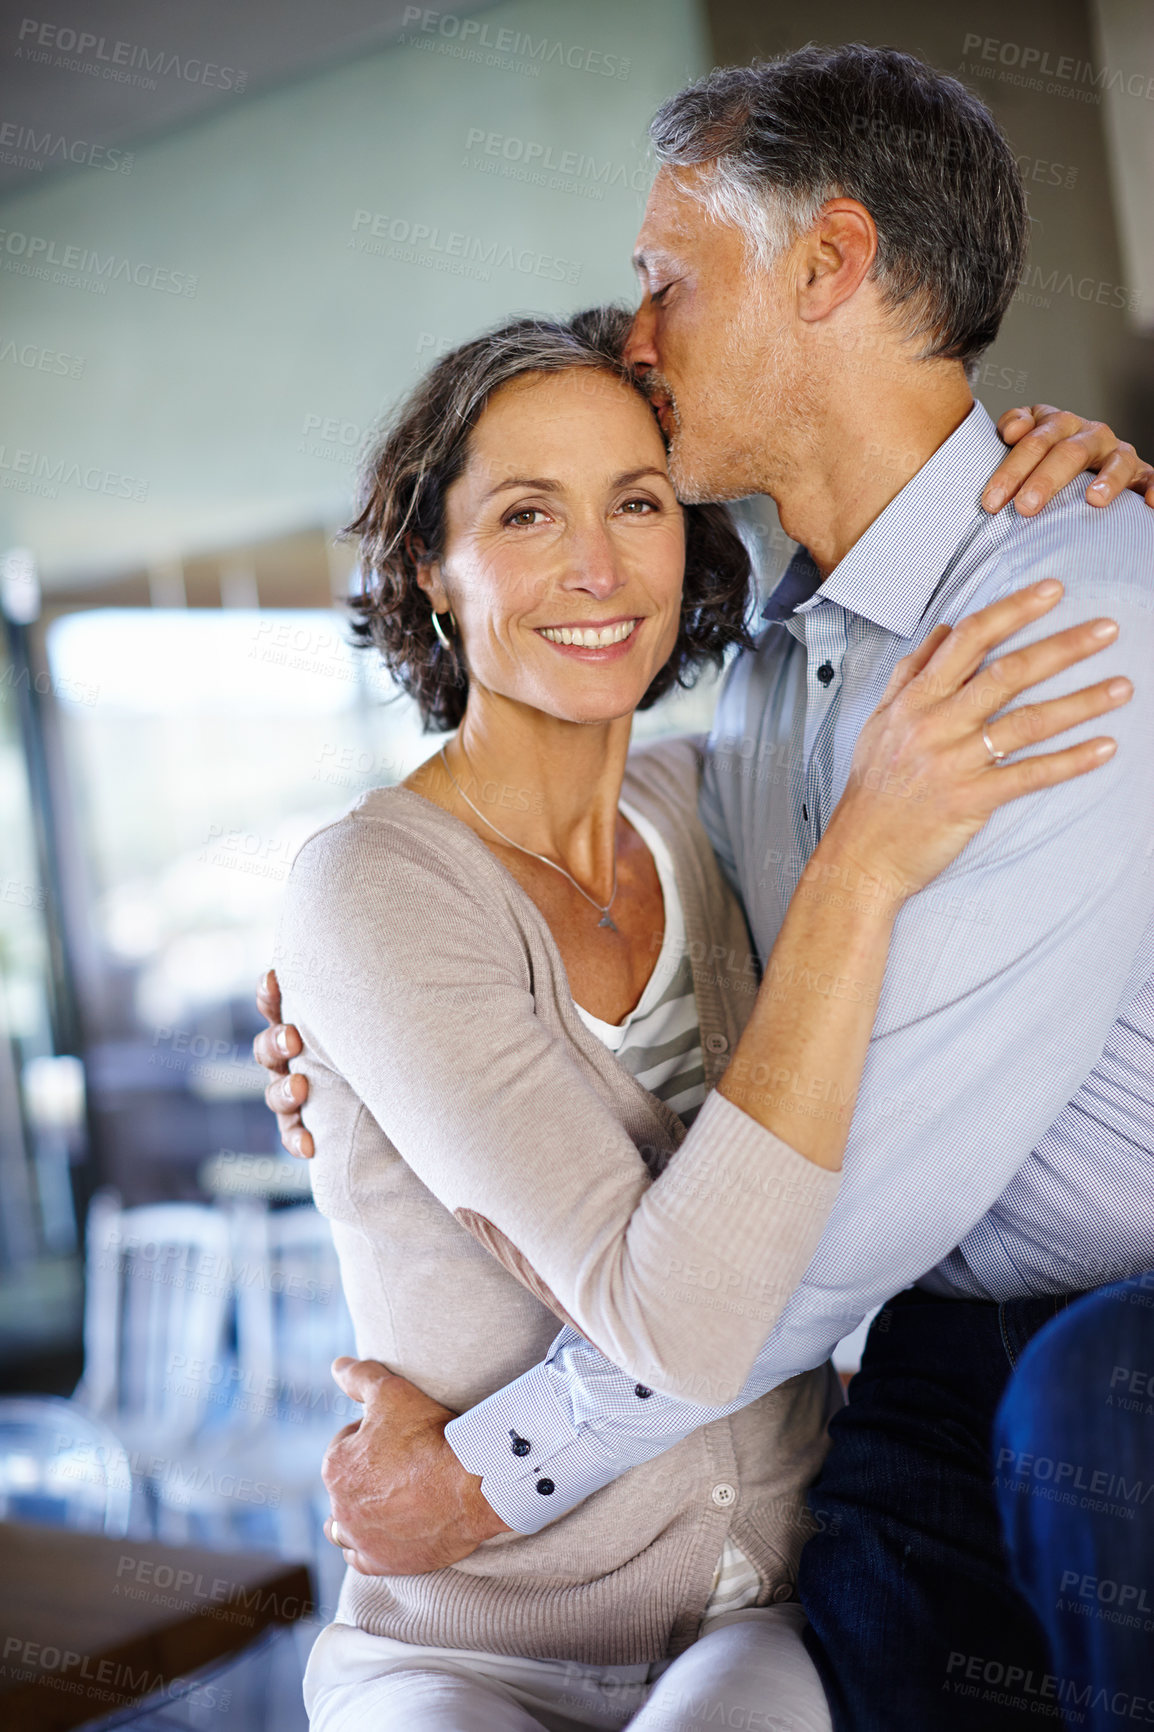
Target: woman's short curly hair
421,452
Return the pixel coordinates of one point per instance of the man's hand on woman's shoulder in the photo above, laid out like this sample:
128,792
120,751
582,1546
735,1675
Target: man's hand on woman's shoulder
287,1092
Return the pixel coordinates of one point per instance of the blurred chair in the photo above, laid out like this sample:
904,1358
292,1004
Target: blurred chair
291,1323
158,1293
292,1326
287,1344
62,1467
157,1310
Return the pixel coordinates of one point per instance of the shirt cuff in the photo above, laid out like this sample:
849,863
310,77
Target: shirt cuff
529,1487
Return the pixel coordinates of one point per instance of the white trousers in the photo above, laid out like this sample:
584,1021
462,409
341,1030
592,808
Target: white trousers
750,1672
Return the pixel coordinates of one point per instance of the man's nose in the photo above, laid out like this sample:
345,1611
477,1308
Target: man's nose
640,348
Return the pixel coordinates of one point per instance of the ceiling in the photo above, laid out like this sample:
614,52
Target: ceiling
61,95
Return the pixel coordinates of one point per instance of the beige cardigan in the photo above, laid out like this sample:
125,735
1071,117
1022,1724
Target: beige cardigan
488,1168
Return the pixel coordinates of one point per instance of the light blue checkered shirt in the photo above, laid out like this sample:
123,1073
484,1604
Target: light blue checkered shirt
1003,1141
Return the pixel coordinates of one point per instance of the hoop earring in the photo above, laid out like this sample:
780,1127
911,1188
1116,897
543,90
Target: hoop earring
440,631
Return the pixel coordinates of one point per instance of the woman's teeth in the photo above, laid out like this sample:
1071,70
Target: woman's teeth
587,637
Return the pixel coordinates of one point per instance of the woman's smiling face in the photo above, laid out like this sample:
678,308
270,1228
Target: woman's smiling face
564,547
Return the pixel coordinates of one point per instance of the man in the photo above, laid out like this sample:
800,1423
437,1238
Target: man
832,239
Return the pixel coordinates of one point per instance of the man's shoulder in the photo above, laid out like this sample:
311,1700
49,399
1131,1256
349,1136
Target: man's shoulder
1091,548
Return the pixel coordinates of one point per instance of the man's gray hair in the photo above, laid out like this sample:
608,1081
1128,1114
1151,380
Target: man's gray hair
916,148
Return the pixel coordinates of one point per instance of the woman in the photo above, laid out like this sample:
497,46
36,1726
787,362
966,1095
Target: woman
504,975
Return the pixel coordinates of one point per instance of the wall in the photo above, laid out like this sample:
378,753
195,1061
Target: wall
1070,337
240,305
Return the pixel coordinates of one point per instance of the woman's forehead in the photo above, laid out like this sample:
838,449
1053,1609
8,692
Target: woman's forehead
560,411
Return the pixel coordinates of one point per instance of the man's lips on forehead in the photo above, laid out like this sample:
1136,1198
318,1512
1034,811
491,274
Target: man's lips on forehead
663,404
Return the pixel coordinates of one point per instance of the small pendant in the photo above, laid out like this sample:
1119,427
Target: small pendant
607,920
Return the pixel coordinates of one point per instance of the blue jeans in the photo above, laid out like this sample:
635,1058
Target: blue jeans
926,1614
1074,1461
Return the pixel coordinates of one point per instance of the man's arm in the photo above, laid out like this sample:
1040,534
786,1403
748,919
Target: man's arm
589,1424
403,1503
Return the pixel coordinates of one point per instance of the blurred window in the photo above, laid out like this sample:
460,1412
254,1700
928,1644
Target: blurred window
201,747
41,1095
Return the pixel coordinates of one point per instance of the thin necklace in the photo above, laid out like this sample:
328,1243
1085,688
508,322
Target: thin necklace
606,918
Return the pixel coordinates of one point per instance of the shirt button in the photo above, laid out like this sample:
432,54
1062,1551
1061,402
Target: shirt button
825,673
783,1592
546,1487
716,1043
519,1445
641,1392
723,1496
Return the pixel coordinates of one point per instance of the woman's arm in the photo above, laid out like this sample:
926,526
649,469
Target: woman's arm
922,785
406,971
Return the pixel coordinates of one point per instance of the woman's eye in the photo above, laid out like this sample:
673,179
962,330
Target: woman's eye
524,519
638,507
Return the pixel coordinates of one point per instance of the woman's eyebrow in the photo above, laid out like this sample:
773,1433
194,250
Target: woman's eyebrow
632,475
541,484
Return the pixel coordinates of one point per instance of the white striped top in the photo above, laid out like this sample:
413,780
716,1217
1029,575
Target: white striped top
659,1043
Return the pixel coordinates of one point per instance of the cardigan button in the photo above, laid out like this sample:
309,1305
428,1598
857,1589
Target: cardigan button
716,1043
723,1496
546,1487
783,1592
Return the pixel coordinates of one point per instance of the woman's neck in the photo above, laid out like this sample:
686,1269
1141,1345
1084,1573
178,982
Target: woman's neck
550,786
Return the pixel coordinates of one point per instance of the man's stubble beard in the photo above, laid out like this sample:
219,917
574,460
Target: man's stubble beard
751,426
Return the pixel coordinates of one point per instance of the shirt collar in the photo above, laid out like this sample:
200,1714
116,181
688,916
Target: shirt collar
890,574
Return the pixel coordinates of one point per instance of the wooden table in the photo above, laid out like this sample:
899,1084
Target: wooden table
90,1624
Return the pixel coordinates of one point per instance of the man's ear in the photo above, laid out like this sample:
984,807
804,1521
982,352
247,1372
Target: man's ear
836,258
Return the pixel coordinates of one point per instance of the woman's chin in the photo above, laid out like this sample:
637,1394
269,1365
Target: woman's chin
598,709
